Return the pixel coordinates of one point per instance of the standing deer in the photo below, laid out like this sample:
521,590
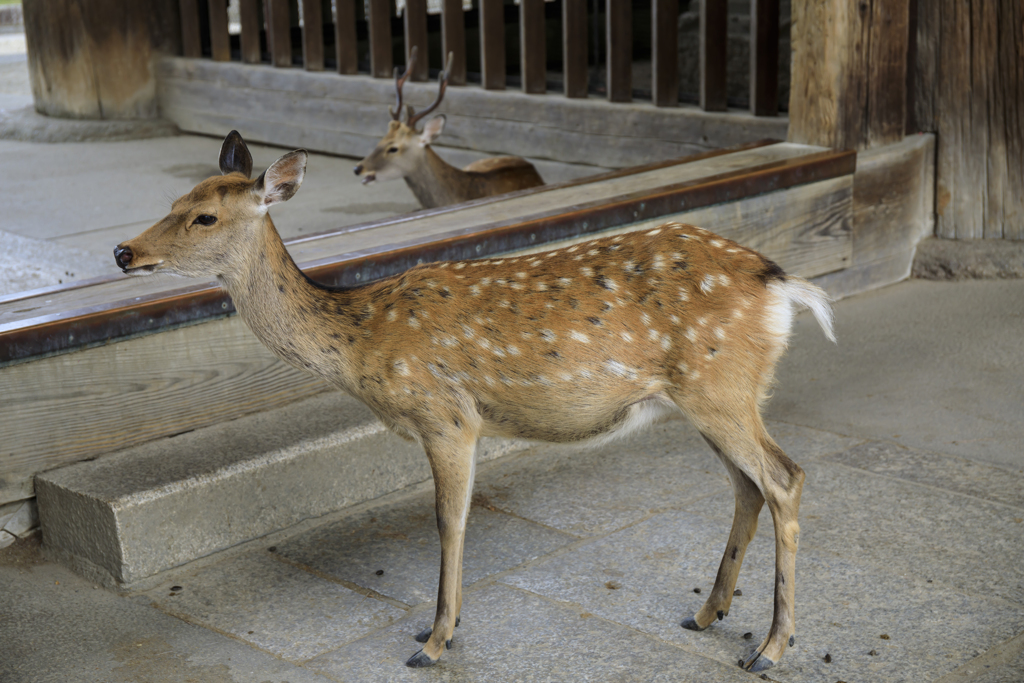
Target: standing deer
577,344
405,152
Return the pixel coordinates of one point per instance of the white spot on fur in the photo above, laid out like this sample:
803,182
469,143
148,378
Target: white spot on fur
520,275
702,321
392,315
587,271
724,280
620,370
674,319
666,342
719,333
474,290
467,332
572,249
401,367
683,295
517,285
512,350
717,243
707,284
691,334
626,336
565,281
653,232
542,287
645,319
580,337
683,367
659,262
414,322
548,335
653,335
460,266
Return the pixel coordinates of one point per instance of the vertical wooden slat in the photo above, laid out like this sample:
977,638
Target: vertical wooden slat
453,39
312,35
190,43
379,19
764,57
249,13
492,44
532,50
279,32
220,43
887,73
712,49
619,27
415,25
574,47
345,36
665,52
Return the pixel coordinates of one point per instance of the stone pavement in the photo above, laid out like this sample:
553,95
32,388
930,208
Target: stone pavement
579,564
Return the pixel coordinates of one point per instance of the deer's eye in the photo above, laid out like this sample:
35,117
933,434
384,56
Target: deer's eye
205,219
392,150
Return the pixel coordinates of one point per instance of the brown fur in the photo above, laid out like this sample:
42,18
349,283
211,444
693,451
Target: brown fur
575,344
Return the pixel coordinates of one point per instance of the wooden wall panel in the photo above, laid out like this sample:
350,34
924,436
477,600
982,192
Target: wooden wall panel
415,27
532,48
619,30
252,24
279,32
712,54
453,39
312,35
345,36
574,47
220,43
191,45
379,20
665,52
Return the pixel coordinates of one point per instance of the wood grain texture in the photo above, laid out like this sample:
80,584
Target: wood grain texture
220,43
191,45
764,57
279,32
453,39
665,53
712,54
251,24
574,47
619,36
379,25
532,48
345,36
886,115
312,35
414,25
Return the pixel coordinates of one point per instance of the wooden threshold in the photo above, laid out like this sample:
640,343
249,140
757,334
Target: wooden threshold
60,321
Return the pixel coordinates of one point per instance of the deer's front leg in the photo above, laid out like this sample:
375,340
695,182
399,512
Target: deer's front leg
452,464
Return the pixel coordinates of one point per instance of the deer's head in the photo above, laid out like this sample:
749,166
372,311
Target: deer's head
402,147
208,229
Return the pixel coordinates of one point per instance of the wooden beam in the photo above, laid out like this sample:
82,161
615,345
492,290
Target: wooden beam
665,52
191,45
345,36
379,20
279,32
619,29
764,57
220,43
249,14
714,18
532,48
574,47
312,35
453,39
415,26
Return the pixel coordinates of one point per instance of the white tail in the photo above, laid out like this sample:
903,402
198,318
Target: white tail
576,344
405,153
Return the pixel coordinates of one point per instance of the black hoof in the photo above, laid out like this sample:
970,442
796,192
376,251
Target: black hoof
721,614
420,660
792,639
448,644
756,662
691,624
424,635
457,620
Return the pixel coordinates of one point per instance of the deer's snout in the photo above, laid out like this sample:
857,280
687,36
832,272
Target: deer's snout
123,256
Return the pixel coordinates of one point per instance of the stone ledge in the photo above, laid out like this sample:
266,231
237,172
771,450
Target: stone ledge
28,125
991,259
126,517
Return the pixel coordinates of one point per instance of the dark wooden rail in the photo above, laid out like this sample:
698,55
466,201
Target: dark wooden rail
371,37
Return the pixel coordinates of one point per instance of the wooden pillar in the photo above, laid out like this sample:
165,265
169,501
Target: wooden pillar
714,23
619,29
532,49
415,27
574,47
91,60
665,52
453,40
849,72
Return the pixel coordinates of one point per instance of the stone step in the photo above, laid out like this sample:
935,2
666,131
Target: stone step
123,518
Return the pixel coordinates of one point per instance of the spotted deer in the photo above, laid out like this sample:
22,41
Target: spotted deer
405,152
578,344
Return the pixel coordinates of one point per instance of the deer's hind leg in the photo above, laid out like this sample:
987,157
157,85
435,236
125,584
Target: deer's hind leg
760,472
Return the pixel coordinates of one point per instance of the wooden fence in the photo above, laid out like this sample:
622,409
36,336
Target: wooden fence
366,38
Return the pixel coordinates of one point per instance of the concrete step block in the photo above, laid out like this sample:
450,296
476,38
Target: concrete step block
125,517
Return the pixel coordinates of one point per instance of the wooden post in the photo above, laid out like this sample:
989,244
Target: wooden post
415,26
312,35
712,54
220,43
845,93
620,50
453,39
574,47
764,57
279,32
379,20
532,48
665,52
249,14
191,45
345,36
492,44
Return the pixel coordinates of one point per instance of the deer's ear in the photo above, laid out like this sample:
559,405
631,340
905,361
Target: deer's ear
234,155
281,181
431,130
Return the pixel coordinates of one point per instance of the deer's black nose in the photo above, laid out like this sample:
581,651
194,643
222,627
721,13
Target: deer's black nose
123,256
358,169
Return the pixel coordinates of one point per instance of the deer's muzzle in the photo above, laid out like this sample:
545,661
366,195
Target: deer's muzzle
123,256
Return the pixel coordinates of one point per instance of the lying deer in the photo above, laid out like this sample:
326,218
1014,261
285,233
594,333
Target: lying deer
405,152
578,344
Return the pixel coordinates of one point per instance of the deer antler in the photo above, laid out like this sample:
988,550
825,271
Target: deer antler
443,80
396,113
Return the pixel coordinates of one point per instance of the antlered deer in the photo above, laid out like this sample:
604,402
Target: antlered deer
577,344
405,152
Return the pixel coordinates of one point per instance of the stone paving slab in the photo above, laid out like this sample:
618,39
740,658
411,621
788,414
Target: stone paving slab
508,635
273,606
401,541
644,577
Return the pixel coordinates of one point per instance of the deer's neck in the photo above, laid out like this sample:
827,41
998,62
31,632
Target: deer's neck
437,183
306,325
